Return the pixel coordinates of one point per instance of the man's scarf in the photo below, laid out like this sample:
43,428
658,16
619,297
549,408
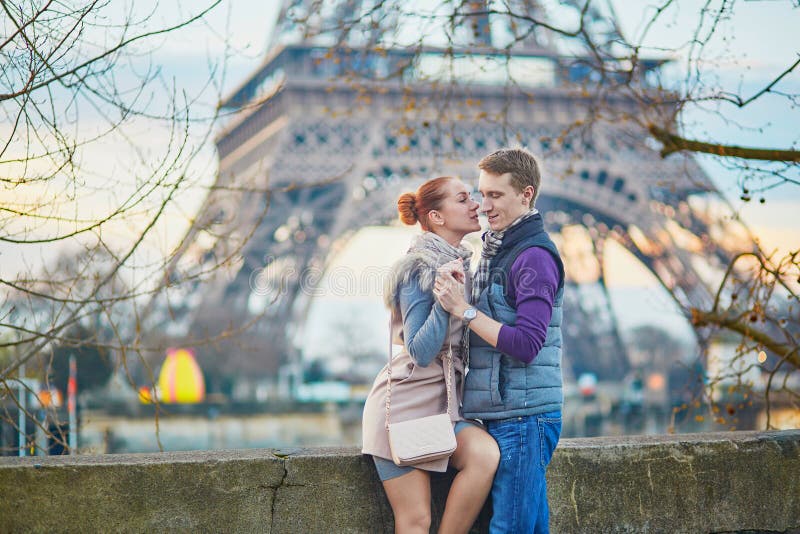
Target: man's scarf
491,245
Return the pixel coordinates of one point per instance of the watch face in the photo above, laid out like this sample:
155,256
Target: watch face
470,313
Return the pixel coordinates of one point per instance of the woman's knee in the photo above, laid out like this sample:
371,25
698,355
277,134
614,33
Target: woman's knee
413,519
491,454
480,451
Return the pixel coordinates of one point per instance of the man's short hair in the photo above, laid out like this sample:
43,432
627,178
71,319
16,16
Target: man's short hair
520,163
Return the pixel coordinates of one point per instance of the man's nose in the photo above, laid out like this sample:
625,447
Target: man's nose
485,205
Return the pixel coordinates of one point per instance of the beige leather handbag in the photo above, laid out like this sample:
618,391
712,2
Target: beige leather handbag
423,439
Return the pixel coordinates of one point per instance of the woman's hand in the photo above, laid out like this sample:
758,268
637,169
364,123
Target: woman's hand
454,268
449,292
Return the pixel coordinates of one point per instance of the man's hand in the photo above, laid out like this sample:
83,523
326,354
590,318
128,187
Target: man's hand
449,291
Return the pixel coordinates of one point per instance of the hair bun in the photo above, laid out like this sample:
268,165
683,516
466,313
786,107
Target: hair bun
407,208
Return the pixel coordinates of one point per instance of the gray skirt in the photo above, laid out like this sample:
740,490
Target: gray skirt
388,470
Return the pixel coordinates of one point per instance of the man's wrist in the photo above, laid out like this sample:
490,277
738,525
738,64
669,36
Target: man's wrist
458,310
468,314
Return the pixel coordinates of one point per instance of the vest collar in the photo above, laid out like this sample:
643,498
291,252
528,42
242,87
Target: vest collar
527,228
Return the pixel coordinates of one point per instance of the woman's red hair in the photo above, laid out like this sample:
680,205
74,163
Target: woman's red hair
414,207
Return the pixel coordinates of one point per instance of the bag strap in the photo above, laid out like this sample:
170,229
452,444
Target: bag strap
446,369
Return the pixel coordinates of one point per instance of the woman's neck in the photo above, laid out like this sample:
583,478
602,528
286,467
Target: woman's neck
452,238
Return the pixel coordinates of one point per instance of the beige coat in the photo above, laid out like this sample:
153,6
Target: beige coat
416,392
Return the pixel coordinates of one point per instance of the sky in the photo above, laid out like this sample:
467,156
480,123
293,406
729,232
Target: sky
762,42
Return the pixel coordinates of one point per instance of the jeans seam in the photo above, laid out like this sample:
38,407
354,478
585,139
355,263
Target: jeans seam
517,468
539,423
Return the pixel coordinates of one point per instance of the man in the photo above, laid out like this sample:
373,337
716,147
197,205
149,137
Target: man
514,383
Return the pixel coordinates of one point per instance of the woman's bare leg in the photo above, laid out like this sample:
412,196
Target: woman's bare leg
410,497
476,459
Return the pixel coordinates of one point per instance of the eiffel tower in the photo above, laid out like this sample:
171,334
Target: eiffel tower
322,139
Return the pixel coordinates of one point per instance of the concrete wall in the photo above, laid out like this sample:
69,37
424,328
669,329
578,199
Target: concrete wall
728,482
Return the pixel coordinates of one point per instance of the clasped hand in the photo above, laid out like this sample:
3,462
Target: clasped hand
449,287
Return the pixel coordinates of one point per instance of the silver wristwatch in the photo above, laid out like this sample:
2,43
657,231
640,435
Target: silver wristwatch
469,314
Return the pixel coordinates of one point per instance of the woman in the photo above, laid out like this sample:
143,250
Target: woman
446,213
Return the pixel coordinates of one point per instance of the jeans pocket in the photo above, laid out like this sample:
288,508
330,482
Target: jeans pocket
549,432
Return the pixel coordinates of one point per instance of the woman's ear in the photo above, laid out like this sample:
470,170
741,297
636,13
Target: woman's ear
435,218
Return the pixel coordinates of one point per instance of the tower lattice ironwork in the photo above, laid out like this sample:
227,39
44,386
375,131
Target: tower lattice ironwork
322,140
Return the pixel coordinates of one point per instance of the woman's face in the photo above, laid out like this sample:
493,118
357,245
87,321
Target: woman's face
458,214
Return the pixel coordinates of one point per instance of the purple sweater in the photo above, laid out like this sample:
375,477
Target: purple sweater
532,288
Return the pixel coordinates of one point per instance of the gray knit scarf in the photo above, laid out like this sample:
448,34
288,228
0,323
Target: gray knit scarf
438,251
491,245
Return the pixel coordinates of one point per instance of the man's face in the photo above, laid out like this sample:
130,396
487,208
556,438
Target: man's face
501,203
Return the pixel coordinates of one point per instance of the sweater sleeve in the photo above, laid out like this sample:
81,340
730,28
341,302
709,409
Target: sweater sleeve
425,323
533,284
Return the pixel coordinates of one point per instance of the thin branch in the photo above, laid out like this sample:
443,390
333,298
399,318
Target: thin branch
737,100
119,46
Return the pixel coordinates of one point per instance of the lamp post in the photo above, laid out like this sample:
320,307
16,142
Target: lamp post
23,409
72,391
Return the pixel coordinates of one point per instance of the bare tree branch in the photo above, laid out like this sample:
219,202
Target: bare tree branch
675,143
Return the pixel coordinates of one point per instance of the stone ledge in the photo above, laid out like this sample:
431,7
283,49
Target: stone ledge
721,482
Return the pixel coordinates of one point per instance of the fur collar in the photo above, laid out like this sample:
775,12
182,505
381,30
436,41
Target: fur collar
411,264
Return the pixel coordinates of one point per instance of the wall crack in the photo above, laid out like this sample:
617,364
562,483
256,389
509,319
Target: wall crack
279,486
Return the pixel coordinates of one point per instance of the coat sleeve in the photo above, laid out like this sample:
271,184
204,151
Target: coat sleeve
425,323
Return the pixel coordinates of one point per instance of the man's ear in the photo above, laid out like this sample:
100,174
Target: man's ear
527,194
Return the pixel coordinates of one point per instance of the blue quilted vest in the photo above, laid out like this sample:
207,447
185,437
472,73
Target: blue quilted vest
497,385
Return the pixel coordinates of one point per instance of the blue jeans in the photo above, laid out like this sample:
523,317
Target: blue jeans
519,492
